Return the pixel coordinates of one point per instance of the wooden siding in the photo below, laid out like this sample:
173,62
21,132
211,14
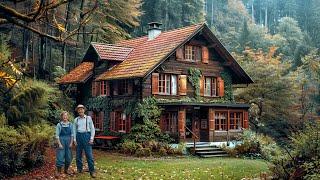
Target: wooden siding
171,65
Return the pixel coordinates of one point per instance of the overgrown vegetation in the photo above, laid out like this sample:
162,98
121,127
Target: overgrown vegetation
194,78
146,138
254,145
302,160
23,148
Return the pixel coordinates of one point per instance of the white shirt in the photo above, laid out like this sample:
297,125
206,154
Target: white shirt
81,127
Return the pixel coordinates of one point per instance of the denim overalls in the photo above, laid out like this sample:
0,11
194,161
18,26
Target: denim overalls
64,155
83,144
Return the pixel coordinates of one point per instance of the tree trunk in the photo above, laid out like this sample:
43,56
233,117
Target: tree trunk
41,73
266,18
212,12
252,11
66,25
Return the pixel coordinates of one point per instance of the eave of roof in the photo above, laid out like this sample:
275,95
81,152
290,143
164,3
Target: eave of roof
205,104
80,74
111,52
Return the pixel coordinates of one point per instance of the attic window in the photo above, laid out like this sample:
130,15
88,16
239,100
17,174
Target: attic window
192,53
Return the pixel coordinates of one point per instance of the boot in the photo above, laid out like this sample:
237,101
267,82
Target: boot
58,172
93,174
66,170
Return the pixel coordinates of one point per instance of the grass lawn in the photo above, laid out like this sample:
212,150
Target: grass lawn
116,166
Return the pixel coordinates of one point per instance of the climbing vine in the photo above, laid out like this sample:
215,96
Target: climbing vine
194,79
228,93
106,104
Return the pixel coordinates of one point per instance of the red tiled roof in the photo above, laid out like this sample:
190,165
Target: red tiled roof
79,74
146,54
111,52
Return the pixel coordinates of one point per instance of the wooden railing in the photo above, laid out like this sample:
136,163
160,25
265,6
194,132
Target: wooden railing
194,137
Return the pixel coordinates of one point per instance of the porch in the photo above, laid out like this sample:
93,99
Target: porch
204,122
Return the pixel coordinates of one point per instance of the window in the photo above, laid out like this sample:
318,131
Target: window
123,87
104,88
221,121
167,84
162,84
97,119
122,122
192,53
235,120
210,86
171,122
222,124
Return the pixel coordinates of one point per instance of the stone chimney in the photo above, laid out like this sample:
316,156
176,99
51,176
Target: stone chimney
154,30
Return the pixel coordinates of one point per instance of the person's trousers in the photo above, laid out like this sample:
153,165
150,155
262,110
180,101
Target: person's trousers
64,154
83,145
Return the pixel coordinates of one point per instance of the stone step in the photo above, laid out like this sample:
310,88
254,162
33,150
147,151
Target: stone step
211,148
214,155
210,152
201,146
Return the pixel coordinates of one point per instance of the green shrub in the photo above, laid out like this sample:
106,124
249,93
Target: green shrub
162,151
143,152
303,160
23,148
129,147
256,146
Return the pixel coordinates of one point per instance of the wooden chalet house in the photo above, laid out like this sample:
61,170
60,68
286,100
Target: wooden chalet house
162,65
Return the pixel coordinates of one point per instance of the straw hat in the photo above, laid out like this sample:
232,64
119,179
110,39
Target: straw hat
80,106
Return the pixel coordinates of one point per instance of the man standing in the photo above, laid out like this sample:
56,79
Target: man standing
83,138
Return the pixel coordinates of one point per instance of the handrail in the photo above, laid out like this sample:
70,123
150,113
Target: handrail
194,139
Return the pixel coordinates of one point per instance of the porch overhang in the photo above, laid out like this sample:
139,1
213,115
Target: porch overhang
205,104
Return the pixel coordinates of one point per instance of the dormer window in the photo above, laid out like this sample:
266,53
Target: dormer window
192,53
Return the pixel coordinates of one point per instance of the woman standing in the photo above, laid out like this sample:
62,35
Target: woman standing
64,136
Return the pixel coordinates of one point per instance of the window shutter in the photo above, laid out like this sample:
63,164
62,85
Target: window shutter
97,84
155,83
211,119
130,87
101,119
201,85
162,122
113,121
182,85
205,55
128,125
198,53
93,89
245,119
179,53
108,88
182,122
220,86
115,88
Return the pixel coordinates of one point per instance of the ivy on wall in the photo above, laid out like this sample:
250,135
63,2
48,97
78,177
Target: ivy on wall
194,79
107,104
228,93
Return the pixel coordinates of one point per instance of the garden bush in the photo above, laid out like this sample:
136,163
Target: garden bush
129,147
302,159
255,145
23,148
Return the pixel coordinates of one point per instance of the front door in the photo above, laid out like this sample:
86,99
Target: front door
204,125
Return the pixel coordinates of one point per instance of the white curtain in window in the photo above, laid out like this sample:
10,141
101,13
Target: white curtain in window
174,84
